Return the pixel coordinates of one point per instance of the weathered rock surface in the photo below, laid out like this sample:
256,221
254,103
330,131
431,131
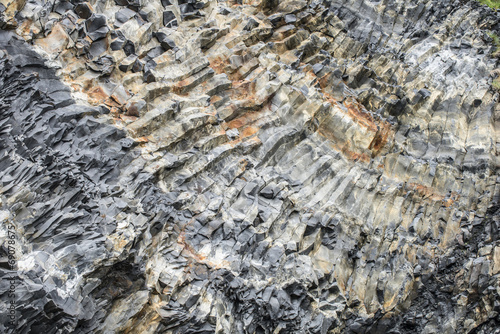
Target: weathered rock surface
250,166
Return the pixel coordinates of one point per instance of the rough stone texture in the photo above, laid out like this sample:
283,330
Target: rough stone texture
251,166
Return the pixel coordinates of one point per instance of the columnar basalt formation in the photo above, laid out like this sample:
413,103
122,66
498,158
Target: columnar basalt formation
185,166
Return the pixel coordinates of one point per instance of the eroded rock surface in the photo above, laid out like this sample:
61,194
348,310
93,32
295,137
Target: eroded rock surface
250,166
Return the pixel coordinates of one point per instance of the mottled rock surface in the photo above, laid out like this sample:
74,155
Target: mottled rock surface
185,166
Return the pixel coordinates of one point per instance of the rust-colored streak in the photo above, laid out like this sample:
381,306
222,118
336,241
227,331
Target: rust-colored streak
222,65
97,95
180,88
249,131
450,201
27,27
355,109
219,64
357,112
243,90
216,98
426,192
323,82
361,116
343,148
433,194
380,140
194,255
187,247
355,156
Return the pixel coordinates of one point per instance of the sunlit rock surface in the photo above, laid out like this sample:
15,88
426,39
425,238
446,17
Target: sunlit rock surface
250,166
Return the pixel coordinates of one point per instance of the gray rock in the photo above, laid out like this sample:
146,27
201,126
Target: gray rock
273,166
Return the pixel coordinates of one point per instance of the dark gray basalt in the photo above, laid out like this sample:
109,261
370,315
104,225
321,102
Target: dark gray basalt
250,166
59,180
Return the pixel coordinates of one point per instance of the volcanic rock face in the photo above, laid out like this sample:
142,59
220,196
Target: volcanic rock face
250,166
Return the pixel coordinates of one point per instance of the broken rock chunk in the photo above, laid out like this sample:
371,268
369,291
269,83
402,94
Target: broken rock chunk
96,27
104,65
84,10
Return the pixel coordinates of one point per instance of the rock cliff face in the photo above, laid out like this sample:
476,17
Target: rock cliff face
250,166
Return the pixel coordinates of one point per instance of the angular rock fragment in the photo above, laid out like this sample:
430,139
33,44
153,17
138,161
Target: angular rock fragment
169,19
104,64
164,40
96,27
84,10
127,64
135,4
123,15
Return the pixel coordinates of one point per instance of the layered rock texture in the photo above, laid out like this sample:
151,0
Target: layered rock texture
250,166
